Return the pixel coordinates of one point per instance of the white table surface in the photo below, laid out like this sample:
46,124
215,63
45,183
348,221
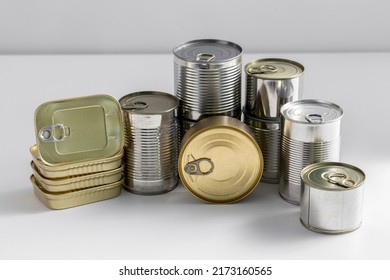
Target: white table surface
177,225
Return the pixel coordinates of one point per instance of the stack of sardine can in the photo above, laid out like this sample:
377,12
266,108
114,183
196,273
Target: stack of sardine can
207,80
310,134
78,155
151,142
270,83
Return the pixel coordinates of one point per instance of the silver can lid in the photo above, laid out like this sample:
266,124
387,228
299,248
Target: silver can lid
274,69
332,176
311,111
207,51
149,102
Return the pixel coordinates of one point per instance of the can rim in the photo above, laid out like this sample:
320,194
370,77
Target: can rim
299,65
149,92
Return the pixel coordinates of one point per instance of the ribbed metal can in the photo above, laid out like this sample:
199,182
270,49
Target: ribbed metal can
310,134
271,83
207,78
332,197
151,142
267,134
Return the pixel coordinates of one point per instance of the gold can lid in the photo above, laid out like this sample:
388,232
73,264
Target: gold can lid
79,129
220,161
274,69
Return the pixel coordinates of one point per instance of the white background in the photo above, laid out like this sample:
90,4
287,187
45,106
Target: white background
177,225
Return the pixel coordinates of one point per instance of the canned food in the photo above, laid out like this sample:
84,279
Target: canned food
310,134
207,78
332,197
151,144
77,182
75,198
79,129
271,83
61,170
220,161
267,134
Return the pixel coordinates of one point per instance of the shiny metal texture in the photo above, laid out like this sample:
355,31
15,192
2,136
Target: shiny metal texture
62,170
151,142
332,197
220,161
207,78
310,134
74,198
79,129
267,134
271,83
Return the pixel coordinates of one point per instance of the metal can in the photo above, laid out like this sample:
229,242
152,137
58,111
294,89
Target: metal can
310,134
271,83
332,197
207,78
267,134
151,142
220,161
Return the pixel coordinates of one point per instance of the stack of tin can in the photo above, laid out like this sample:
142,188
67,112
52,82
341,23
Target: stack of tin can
207,80
78,155
270,83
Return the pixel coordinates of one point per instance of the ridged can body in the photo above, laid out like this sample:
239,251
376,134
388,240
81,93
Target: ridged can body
151,142
271,83
207,78
332,197
310,133
267,134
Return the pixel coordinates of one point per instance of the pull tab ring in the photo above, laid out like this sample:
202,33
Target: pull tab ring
341,180
48,133
263,69
205,57
314,118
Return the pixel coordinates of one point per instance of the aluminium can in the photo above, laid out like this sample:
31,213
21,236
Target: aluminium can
207,78
220,161
310,133
267,134
271,83
151,142
332,197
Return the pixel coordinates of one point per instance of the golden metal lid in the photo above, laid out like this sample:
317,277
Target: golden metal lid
274,69
220,161
79,129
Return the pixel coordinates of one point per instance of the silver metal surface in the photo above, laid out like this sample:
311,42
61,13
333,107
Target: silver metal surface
332,197
267,134
151,142
207,78
307,139
271,83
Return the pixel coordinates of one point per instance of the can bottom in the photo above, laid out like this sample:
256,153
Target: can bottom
151,187
328,231
270,177
290,192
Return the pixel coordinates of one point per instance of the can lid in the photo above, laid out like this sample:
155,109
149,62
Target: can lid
207,51
220,161
149,102
274,69
333,176
79,129
311,111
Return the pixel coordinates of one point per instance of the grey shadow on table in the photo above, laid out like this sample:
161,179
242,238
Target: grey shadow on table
20,201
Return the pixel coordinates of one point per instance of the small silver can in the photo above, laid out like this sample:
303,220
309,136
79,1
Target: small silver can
332,197
310,134
271,83
207,78
151,142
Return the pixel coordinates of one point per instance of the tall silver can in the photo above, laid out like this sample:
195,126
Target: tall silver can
310,134
207,78
332,197
271,83
151,142
267,134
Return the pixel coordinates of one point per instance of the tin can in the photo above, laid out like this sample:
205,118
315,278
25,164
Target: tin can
271,83
79,129
310,134
207,78
267,134
220,161
332,197
151,142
